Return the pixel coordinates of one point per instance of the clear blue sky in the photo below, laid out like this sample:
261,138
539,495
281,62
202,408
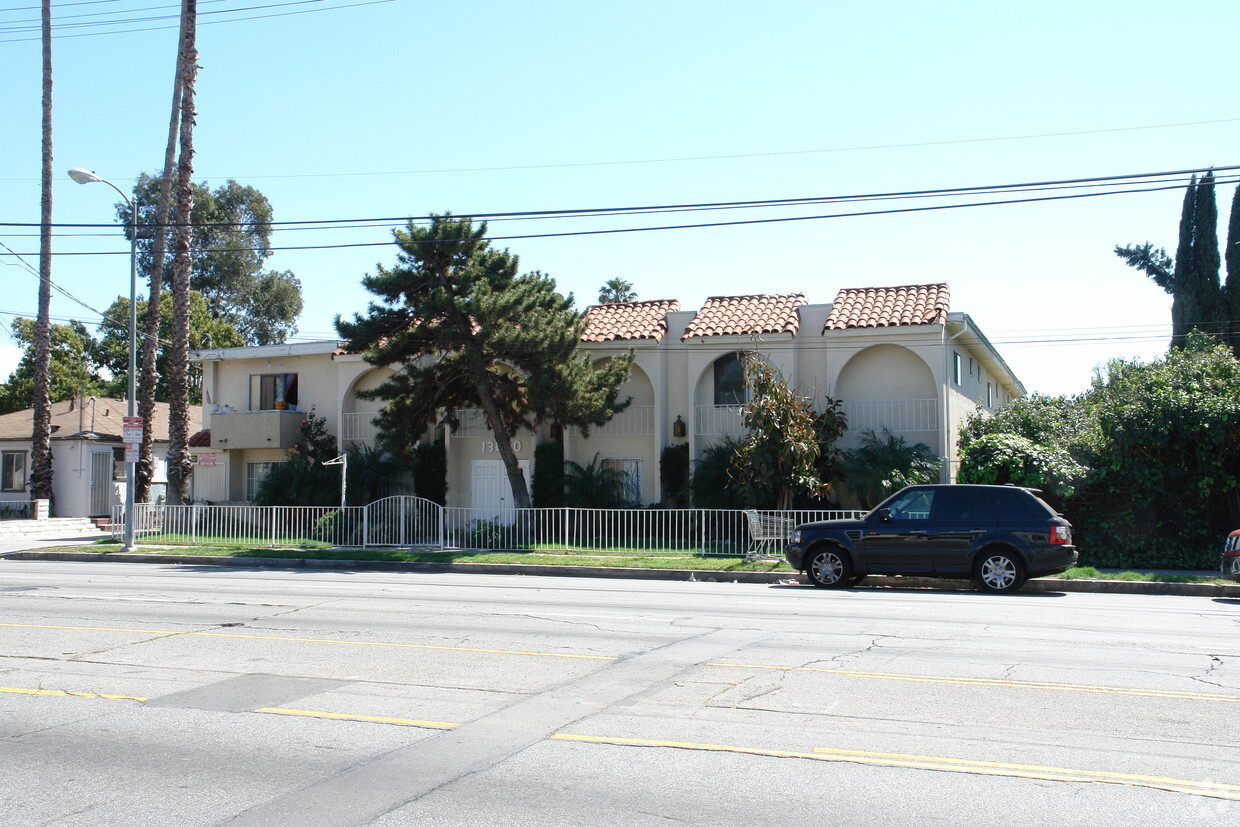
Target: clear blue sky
408,107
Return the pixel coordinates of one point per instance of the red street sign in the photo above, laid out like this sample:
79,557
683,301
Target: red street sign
132,428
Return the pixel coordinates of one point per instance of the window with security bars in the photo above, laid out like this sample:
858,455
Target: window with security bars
628,476
254,473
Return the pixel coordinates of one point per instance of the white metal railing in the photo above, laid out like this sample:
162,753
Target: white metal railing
359,427
413,521
635,420
473,423
719,420
892,414
403,521
277,525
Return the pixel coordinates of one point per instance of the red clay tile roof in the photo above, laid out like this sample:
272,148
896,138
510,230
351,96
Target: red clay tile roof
202,439
747,315
628,320
889,306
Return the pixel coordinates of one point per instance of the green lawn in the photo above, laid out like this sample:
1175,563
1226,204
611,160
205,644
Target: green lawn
625,558
618,559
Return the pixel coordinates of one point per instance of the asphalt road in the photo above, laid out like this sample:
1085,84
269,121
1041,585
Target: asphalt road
135,695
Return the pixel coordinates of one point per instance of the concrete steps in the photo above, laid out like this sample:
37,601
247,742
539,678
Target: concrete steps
50,529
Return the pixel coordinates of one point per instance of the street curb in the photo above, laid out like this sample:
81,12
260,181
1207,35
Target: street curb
1035,586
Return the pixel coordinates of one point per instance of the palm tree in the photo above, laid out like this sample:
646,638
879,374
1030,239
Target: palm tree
881,465
616,290
178,354
41,435
145,469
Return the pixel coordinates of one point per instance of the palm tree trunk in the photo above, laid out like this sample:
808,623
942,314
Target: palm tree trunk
145,469
178,353
41,436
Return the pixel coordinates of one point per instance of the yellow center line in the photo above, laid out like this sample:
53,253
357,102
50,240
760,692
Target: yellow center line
60,693
340,716
939,764
884,759
1009,684
476,650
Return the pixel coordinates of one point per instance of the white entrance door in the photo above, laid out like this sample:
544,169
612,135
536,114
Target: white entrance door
100,483
490,495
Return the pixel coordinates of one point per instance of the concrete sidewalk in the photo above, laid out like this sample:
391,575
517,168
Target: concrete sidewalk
1037,585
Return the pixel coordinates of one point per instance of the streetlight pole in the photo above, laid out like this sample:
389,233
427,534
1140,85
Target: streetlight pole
85,176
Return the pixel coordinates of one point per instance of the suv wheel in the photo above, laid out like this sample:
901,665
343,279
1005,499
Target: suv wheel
999,572
828,568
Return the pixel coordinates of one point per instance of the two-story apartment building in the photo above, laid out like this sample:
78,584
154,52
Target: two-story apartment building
897,358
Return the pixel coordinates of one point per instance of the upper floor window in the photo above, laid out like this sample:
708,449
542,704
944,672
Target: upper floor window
729,380
957,367
990,397
271,391
14,476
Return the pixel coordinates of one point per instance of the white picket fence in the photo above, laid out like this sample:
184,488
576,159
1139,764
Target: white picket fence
413,522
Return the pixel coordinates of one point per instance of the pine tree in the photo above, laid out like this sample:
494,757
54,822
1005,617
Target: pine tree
466,331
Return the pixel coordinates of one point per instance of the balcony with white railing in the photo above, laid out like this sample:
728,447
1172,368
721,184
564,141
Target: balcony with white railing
719,420
635,420
904,415
359,427
473,422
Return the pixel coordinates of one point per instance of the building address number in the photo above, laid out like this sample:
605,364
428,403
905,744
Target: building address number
489,446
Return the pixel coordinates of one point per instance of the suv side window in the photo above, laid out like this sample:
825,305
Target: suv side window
912,505
1021,505
963,504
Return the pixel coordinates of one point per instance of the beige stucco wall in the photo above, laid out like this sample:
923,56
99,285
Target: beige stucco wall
71,484
909,365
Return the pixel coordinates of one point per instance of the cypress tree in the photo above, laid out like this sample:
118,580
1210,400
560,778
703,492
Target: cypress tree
1231,288
1184,263
1208,314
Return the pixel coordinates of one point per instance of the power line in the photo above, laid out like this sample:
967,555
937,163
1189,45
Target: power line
60,5
1126,179
206,22
739,155
33,21
62,291
702,225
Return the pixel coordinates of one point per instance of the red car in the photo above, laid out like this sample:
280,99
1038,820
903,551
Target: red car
1230,566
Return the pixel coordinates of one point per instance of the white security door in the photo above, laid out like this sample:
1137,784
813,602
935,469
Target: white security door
100,483
490,495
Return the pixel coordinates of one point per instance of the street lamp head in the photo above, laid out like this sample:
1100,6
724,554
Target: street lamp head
84,176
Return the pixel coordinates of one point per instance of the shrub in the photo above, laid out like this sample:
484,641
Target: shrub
674,475
547,487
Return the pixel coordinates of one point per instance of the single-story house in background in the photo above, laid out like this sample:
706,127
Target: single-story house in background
897,357
88,455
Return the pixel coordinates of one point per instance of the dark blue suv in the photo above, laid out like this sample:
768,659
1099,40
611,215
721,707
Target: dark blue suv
1000,535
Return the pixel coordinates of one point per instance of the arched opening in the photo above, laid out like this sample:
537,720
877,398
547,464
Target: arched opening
891,387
